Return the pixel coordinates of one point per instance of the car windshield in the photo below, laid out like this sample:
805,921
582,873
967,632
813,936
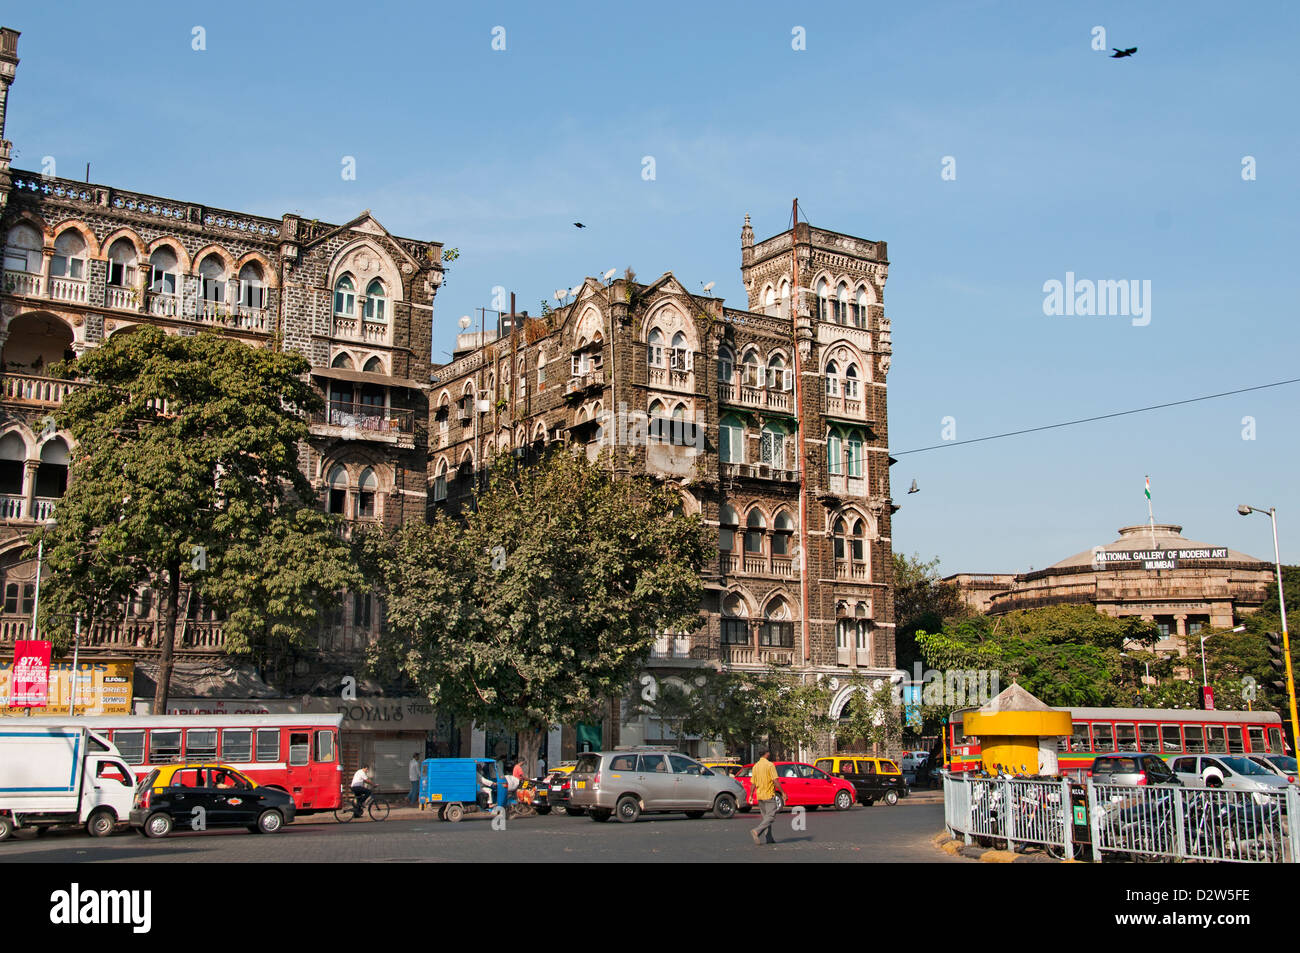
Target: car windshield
1245,766
1284,762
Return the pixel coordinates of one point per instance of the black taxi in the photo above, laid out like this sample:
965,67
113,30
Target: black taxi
196,797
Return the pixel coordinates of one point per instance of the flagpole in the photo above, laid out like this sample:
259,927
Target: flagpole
1151,514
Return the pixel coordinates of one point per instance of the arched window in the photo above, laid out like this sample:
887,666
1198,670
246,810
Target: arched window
832,379
659,426
778,375
852,386
23,250
655,349
541,370
374,366
823,300
163,269
731,440
784,310
252,286
376,301
859,541
13,455
860,310
336,497
754,528
440,482
728,523
121,263
840,533
842,304
834,453
777,630
772,446
726,365
769,299
681,358
69,260
857,460
52,473
735,626
345,297
342,359
751,373
782,532
212,280
367,487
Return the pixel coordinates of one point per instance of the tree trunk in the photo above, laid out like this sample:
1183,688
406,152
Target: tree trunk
168,639
530,745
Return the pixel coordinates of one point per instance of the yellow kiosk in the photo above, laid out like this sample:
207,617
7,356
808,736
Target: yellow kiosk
1018,732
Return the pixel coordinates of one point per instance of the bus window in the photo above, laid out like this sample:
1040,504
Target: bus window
1234,740
1150,738
130,744
1170,739
1125,738
237,745
1079,740
164,745
1215,743
1195,735
1256,739
1103,736
299,747
325,747
201,744
1275,741
268,744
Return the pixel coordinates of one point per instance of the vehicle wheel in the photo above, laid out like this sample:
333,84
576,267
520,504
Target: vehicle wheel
6,827
600,815
343,813
724,806
101,824
891,798
843,801
694,815
629,809
453,813
268,822
157,825
378,810
438,813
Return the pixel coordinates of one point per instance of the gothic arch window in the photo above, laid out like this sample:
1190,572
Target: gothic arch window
778,375
252,286
659,425
726,365
755,528
735,621
121,263
345,297
728,524
52,472
440,482
374,366
367,491
212,279
842,304
69,259
769,299
785,297
23,250
336,495
772,446
840,533
376,301
834,452
860,309
13,455
751,369
777,629
823,300
782,534
163,271
655,348
858,541
343,360
856,455
680,358
852,385
731,440
832,379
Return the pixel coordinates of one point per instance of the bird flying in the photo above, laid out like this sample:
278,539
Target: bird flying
578,225
1120,54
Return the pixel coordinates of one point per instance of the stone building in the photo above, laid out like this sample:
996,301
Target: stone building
717,401
84,262
1153,572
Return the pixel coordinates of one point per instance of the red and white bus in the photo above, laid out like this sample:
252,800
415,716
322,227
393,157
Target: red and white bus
299,754
1160,731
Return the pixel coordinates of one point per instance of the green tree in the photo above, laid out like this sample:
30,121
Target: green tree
871,718
780,706
922,602
668,703
185,442
542,603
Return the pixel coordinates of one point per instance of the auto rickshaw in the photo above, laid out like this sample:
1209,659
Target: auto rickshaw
455,787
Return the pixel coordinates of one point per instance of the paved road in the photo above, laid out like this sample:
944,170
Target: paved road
877,834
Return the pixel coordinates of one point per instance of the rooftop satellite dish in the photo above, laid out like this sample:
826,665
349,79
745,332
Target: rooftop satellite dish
709,287
464,322
575,289
609,274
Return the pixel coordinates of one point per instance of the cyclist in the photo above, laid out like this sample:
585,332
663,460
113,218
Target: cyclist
363,783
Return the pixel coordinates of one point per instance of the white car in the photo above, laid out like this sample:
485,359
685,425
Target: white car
913,760
1231,771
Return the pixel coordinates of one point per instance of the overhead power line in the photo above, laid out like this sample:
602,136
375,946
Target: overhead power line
1086,420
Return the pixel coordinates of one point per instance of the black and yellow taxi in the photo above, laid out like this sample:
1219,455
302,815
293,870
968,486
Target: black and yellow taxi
873,779
196,797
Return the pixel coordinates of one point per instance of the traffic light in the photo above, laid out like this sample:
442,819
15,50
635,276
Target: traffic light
1277,659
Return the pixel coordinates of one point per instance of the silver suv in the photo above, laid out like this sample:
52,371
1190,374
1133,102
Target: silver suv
637,781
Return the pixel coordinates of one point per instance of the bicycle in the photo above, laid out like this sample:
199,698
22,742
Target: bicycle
377,807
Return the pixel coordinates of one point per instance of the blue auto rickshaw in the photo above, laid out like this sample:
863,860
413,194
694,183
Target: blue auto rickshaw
457,786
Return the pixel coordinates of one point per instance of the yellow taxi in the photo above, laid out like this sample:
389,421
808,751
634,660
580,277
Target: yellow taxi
727,766
873,779
198,796
557,789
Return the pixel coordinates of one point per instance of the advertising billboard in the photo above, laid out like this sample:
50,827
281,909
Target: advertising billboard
102,688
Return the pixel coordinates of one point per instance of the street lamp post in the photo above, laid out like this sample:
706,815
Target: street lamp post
1245,510
40,559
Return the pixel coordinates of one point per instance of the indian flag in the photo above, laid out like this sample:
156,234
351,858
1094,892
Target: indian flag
1148,489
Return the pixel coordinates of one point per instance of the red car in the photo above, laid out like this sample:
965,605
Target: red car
805,786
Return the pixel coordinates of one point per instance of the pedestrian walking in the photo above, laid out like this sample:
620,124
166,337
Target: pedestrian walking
414,772
765,785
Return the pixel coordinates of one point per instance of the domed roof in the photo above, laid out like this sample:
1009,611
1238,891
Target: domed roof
1167,536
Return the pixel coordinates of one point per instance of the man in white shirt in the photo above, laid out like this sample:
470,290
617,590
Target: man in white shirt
362,783
414,772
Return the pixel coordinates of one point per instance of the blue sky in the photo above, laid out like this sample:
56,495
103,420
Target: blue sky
1066,161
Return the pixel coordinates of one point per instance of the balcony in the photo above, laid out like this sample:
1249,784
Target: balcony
839,405
34,390
237,316
581,383
356,329
22,283
766,398
129,637
121,299
681,650
69,289
13,508
858,572
358,421
840,486
762,655
757,471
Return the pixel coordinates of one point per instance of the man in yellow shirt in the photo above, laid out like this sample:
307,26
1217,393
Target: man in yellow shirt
765,785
